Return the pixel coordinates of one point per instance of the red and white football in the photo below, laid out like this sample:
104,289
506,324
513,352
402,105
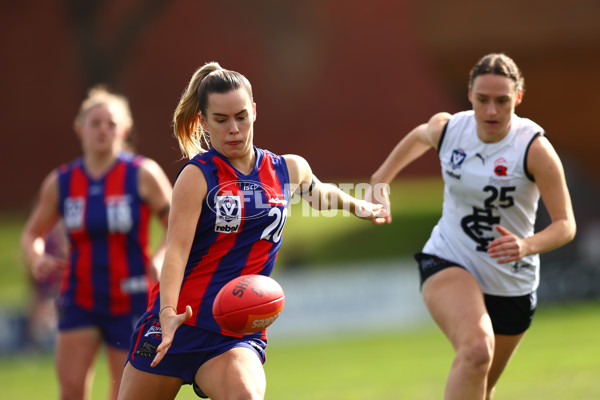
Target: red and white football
248,304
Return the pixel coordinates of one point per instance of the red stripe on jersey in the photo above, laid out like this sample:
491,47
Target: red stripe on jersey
144,233
84,287
259,254
144,242
258,257
118,270
137,340
228,186
153,295
270,181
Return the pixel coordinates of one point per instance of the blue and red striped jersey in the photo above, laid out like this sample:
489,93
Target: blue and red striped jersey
238,233
108,227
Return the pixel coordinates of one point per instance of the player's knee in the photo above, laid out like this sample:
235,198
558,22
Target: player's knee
241,393
477,353
72,393
249,393
72,389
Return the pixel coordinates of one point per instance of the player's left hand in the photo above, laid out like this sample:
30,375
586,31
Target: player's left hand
380,195
506,248
369,211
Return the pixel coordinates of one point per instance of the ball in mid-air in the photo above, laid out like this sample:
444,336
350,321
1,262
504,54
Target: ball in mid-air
248,304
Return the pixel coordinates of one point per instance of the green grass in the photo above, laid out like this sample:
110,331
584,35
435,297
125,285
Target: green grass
557,360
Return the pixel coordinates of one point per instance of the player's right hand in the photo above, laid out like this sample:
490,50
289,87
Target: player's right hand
45,265
169,323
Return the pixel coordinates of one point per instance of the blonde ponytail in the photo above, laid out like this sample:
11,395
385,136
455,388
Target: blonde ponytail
189,133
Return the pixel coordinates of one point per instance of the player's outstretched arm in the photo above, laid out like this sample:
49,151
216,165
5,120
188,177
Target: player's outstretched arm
323,196
411,147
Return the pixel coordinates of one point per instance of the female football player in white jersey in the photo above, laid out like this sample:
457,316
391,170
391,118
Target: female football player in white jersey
480,267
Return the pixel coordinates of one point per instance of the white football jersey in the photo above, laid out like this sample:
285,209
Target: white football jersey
487,184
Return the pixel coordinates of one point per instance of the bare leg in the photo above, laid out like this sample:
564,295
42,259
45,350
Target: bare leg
456,303
505,348
116,361
76,350
235,374
137,384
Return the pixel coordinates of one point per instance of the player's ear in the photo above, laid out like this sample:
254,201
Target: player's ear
78,132
202,121
126,133
519,97
253,112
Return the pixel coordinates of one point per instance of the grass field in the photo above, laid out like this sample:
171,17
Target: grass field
558,360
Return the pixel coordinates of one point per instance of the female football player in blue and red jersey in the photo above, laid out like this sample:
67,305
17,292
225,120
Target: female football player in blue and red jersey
105,200
229,208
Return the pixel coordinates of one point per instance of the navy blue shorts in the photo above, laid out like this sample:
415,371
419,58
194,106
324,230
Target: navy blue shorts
191,347
510,315
116,330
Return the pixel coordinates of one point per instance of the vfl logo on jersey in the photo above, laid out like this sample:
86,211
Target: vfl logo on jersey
74,213
457,158
118,214
229,214
500,167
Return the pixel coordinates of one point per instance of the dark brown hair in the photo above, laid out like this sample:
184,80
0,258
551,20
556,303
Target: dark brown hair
498,64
